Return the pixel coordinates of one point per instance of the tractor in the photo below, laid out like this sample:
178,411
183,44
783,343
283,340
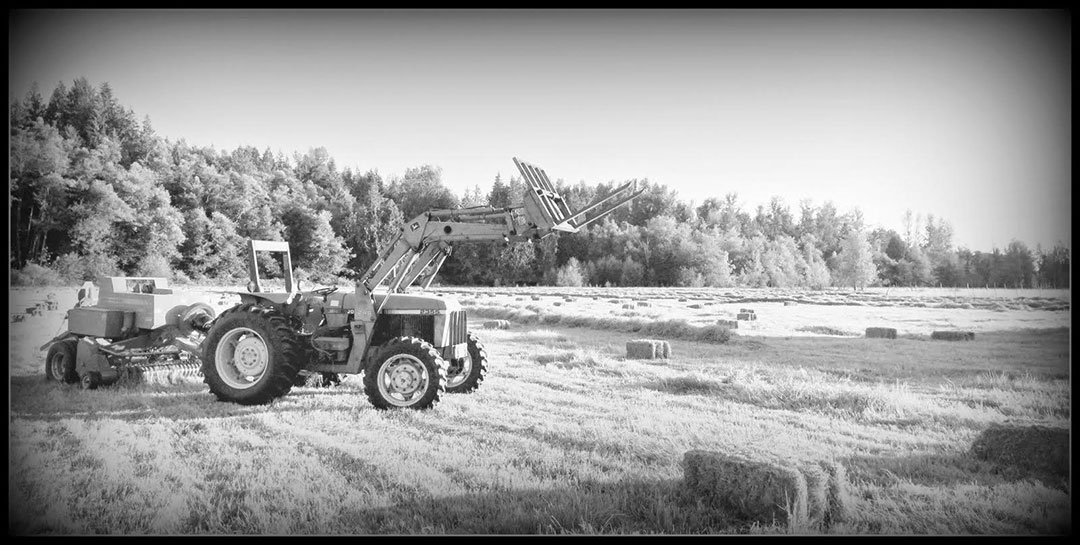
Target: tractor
411,347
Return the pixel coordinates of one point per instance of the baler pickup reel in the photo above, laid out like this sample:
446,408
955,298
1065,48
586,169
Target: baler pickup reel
546,210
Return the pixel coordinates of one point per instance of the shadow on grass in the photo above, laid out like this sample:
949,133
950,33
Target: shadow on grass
946,470
590,507
40,399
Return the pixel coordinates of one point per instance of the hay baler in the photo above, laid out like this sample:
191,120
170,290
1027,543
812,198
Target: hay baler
136,328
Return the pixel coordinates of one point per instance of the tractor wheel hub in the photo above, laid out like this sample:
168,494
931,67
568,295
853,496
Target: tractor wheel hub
250,357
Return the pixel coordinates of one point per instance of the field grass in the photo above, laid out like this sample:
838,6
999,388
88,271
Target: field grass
565,436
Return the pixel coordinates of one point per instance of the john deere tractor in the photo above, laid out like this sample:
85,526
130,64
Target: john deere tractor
411,347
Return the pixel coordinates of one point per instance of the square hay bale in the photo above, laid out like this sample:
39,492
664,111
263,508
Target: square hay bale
881,332
640,350
817,491
647,349
808,493
644,304
615,302
497,324
628,306
745,316
838,496
695,306
953,336
730,324
1034,448
790,303
753,489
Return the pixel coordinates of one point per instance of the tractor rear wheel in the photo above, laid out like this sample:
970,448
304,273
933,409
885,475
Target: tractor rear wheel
466,374
405,373
251,355
60,362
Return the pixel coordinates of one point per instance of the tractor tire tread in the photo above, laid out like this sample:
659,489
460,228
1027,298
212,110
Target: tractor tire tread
283,373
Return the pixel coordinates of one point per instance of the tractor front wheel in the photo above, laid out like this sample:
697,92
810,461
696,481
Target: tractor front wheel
405,373
251,355
466,374
60,362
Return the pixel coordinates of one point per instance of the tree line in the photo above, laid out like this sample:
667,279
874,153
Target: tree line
94,191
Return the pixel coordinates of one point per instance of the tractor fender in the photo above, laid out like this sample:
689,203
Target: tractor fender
195,315
61,337
267,300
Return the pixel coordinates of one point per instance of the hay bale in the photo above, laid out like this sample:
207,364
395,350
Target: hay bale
556,303
497,324
817,485
953,336
644,304
648,349
640,349
682,299
881,332
615,302
838,494
745,316
730,324
757,490
535,297
817,493
1036,448
695,306
828,497
628,306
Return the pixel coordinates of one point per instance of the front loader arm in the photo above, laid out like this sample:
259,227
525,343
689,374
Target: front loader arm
424,243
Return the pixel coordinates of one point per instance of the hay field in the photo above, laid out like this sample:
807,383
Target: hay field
566,435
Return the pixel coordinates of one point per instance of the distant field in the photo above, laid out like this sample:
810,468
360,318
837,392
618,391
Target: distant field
568,436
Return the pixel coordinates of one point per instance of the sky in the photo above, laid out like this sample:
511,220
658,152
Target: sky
962,114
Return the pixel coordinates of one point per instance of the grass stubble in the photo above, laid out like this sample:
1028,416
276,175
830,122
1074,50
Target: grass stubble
566,435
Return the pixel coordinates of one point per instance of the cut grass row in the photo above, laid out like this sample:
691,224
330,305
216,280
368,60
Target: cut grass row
565,436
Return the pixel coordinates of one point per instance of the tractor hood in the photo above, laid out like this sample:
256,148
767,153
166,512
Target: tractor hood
414,303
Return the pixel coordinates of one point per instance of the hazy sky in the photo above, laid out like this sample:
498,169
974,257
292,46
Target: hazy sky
962,114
